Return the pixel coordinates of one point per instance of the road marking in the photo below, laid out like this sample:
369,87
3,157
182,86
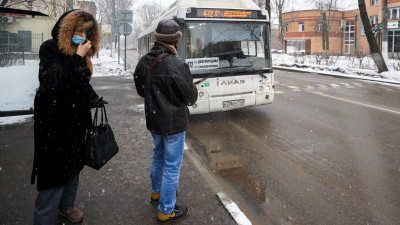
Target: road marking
335,86
233,209
210,180
294,88
358,84
347,85
309,87
358,103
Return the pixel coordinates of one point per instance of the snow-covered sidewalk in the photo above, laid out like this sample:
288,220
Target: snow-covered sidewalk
344,66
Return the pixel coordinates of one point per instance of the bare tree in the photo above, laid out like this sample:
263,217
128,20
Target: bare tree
279,7
327,9
3,2
105,8
148,12
105,12
373,45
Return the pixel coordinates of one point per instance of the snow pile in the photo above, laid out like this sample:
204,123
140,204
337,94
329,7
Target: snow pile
337,65
18,86
105,65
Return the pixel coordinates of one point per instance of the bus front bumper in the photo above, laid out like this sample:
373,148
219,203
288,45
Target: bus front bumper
229,102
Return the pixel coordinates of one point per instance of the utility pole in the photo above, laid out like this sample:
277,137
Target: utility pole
384,31
268,9
113,27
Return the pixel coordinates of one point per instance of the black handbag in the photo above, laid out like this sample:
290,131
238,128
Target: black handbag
100,141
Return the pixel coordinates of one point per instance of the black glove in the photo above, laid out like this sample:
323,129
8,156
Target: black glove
97,102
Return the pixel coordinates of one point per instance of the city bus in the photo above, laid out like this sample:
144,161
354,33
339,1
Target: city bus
226,45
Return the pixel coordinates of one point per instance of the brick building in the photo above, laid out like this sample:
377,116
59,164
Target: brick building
303,34
89,6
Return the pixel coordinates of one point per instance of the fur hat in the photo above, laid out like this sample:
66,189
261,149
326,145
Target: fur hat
64,30
167,31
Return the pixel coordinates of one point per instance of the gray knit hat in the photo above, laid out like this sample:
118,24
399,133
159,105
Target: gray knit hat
167,31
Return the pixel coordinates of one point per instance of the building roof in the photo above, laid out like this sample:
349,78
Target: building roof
20,11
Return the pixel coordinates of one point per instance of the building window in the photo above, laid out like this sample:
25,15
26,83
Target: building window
374,19
374,2
301,26
286,28
394,41
319,26
295,46
393,13
349,38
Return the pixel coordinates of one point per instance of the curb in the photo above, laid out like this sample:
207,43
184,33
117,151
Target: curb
337,75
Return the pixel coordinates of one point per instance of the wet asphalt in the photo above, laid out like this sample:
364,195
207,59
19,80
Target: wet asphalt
326,151
119,192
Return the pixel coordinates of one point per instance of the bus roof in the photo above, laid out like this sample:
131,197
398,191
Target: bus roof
230,4
179,5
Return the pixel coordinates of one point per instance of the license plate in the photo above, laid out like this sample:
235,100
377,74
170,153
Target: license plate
233,103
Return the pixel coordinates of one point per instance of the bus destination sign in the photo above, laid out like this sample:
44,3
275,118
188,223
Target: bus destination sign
225,13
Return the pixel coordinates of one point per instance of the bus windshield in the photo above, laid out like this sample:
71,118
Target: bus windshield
226,47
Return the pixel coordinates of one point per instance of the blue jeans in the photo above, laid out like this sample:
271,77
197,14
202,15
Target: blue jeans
165,167
49,201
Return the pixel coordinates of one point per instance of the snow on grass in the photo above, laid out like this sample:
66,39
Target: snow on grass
362,67
14,119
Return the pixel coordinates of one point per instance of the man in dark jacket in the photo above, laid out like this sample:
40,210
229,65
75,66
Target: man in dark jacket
166,84
62,115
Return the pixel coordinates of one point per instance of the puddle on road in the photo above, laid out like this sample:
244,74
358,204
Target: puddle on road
244,180
228,165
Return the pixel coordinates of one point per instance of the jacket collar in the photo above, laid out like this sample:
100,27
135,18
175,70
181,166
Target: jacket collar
167,46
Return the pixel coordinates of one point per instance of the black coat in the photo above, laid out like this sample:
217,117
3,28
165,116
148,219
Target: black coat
168,91
62,115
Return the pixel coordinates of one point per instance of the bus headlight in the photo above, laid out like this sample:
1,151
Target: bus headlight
194,106
201,94
267,88
261,88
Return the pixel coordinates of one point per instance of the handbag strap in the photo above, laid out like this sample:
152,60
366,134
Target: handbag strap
103,117
105,114
152,65
94,125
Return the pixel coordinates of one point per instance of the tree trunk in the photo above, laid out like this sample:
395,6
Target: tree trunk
3,2
373,45
282,34
325,34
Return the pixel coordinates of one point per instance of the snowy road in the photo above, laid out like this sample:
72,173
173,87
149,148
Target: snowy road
325,152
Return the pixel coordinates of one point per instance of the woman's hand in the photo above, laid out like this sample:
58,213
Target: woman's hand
83,49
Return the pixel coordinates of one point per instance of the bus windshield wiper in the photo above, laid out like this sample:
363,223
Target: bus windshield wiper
261,74
205,78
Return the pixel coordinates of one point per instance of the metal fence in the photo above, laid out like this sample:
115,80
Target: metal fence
15,46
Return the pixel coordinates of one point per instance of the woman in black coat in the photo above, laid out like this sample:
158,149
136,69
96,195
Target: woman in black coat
62,114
